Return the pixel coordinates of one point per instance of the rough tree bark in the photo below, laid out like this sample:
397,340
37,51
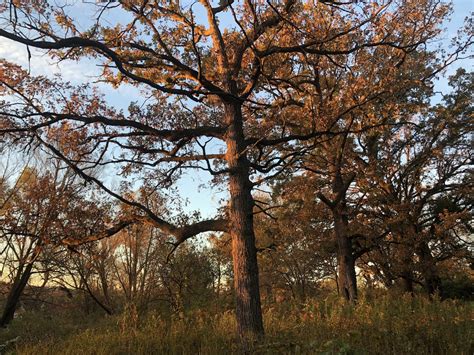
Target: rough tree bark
244,253
346,260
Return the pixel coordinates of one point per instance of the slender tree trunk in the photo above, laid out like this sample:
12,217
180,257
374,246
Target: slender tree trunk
336,278
18,287
345,257
96,300
218,290
14,295
105,289
244,253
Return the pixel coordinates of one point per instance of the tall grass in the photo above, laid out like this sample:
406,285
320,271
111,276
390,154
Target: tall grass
376,325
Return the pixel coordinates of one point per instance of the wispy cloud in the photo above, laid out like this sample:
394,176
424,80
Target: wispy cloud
41,64
76,72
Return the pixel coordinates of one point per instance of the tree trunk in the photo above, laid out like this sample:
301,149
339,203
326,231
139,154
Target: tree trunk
345,257
429,272
244,253
345,253
105,289
346,280
14,295
407,265
407,282
96,300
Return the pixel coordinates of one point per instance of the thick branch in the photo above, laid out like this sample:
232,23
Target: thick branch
169,134
180,233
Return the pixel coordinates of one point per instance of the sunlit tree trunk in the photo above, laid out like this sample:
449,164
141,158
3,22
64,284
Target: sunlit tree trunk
244,253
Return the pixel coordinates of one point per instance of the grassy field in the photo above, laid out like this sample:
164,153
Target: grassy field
376,325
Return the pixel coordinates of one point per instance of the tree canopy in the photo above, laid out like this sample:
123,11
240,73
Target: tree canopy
326,104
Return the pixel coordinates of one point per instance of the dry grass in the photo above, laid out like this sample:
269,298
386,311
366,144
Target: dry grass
385,324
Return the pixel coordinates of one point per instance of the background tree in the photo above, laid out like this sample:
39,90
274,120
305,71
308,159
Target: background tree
43,208
426,169
295,251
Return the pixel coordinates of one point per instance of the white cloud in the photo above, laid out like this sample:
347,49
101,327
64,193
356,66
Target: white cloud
41,64
76,72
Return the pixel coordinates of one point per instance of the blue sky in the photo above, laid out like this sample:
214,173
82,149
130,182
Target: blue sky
461,10
207,199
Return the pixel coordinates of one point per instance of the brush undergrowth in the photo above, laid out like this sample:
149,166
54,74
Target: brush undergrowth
378,325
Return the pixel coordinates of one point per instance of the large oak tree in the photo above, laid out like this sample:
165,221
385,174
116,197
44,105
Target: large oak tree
231,66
